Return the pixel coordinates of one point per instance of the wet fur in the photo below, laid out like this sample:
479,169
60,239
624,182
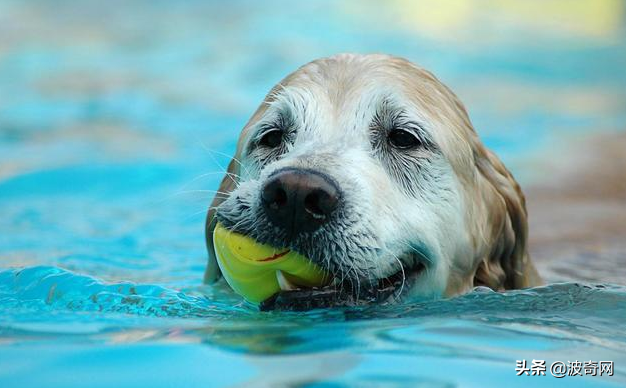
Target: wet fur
454,207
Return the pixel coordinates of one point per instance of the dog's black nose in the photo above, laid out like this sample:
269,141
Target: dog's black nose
298,200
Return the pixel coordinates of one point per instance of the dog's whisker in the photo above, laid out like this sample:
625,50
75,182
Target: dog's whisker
421,255
206,174
234,158
398,293
223,154
235,181
201,191
194,214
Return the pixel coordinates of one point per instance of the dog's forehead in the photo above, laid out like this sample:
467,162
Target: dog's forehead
346,82
348,86
339,95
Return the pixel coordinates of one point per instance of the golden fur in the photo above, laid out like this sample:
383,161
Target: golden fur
495,212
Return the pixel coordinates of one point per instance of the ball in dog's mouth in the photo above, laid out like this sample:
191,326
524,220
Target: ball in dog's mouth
258,271
275,278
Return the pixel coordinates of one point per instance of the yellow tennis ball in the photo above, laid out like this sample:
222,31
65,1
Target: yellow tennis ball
257,271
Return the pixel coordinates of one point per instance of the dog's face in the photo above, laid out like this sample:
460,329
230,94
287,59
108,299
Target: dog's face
369,166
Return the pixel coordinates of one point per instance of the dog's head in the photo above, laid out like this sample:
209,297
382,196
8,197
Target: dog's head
370,167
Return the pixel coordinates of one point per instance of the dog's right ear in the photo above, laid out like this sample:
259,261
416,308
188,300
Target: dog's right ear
229,182
507,264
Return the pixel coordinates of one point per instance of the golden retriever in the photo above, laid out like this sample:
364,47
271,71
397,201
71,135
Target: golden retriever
370,167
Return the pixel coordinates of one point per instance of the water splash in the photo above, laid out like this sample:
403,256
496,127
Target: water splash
44,288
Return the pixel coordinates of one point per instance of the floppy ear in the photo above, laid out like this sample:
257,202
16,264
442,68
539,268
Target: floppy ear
229,182
506,264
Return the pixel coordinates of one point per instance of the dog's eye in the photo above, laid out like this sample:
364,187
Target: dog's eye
272,138
402,139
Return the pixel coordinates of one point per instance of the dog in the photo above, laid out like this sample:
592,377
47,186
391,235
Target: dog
370,167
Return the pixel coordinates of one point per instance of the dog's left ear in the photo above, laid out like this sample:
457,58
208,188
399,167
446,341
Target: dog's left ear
229,182
506,264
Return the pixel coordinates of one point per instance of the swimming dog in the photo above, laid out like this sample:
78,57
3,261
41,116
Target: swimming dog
370,167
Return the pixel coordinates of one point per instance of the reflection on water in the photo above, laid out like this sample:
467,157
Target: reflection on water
116,122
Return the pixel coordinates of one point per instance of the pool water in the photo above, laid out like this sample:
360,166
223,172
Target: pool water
116,123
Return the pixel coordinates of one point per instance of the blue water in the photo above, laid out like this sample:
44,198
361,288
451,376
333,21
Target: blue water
116,122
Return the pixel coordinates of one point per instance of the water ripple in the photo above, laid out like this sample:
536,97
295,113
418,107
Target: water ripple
553,316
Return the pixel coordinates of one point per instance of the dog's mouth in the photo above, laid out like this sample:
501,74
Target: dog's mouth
344,293
343,290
